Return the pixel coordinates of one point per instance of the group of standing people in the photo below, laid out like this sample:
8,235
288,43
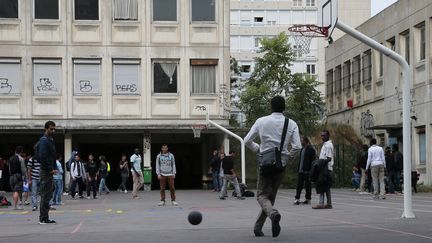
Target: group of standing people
375,163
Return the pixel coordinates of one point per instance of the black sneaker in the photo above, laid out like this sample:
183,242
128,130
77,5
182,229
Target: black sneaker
48,221
222,198
258,233
81,197
306,201
275,218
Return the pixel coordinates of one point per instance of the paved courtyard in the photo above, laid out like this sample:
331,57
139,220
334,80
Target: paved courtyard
118,218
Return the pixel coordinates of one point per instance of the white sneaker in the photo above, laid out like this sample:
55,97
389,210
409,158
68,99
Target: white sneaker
174,203
88,197
161,203
125,191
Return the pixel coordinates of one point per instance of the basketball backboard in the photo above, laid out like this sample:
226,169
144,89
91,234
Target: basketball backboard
328,15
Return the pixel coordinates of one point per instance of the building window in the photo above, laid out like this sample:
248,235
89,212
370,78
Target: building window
297,3
422,146
8,9
258,20
87,76
421,41
46,9
164,10
165,76
405,45
10,76
347,75
126,77
381,64
87,9
329,83
258,42
310,69
203,10
203,76
125,9
391,43
356,71
337,79
47,77
310,3
367,67
245,68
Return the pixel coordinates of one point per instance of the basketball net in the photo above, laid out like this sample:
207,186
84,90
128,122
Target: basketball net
302,35
197,129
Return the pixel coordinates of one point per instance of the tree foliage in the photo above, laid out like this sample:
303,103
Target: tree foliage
272,76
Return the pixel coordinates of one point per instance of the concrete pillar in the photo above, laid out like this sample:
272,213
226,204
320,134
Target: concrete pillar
67,155
147,159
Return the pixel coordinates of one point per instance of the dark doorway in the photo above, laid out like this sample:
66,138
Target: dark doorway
188,165
113,153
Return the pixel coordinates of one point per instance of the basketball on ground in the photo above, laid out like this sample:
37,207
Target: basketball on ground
195,217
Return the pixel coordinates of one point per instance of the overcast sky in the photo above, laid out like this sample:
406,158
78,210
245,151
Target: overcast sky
379,5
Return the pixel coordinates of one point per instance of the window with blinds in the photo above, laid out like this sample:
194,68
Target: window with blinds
47,77
10,76
126,77
87,76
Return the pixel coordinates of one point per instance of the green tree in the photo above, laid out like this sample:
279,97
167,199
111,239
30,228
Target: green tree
272,76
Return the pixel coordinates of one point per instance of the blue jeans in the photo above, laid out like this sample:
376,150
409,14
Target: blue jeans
216,180
102,185
58,191
34,192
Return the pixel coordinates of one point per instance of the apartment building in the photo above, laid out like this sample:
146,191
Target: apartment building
115,75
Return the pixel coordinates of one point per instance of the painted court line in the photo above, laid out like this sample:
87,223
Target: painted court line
362,225
77,228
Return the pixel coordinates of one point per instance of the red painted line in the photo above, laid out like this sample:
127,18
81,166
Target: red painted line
77,228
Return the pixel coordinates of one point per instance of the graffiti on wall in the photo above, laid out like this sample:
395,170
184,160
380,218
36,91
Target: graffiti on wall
224,100
366,122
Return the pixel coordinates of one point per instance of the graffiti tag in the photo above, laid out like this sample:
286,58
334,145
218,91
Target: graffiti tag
5,87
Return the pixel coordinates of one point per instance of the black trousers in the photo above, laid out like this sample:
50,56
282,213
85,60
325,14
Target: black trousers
78,181
46,193
303,179
92,185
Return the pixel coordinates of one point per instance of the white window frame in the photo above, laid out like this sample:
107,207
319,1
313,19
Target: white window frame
129,19
93,62
175,61
168,21
59,12
204,22
126,62
17,14
5,84
87,20
58,89
311,66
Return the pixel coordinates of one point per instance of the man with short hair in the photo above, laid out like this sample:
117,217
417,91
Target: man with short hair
398,159
361,164
16,173
376,161
269,131
33,168
137,174
92,171
307,155
327,152
229,176
46,154
166,172
78,175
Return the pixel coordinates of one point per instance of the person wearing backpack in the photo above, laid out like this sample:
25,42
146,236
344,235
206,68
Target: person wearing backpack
17,175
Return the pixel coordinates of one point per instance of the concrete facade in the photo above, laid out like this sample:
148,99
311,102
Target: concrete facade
50,63
372,83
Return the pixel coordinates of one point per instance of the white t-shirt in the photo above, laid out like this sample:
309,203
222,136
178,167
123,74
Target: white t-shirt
136,163
327,151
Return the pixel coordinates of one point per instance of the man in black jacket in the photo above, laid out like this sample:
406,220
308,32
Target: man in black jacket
46,154
307,155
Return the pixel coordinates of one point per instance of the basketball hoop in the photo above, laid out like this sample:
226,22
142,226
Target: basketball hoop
303,34
197,129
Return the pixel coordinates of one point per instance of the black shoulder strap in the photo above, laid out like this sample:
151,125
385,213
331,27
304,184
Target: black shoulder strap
284,132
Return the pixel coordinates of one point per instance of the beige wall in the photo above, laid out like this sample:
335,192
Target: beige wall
106,39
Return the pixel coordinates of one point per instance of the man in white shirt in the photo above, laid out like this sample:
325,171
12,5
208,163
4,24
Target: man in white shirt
376,161
269,131
326,154
137,175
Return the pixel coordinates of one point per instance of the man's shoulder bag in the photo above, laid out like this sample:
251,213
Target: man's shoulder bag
270,161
